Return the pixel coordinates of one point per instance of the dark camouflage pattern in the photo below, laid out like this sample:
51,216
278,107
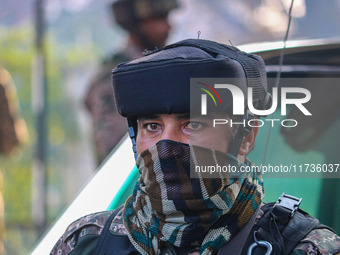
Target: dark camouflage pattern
75,235
317,242
108,126
117,226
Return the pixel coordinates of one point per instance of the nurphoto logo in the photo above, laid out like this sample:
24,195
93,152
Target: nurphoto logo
240,106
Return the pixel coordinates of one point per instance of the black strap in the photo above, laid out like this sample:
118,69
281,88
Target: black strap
242,131
110,244
283,225
132,122
104,233
236,142
235,245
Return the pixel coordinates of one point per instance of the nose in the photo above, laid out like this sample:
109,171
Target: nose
174,134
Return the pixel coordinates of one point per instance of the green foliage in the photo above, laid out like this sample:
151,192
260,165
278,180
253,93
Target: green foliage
17,189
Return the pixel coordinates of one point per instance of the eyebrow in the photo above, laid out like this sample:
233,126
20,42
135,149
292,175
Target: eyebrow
200,117
157,116
148,117
184,116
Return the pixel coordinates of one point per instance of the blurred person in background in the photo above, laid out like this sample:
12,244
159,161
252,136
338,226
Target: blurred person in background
13,132
146,22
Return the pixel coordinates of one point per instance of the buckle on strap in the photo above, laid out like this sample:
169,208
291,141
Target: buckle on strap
289,202
263,244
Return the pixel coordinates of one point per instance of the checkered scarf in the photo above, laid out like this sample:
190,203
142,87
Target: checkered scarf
167,205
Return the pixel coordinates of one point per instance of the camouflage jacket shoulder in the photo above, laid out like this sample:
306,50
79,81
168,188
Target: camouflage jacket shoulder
319,241
81,237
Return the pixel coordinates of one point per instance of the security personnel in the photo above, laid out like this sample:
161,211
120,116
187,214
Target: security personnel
173,210
12,131
147,24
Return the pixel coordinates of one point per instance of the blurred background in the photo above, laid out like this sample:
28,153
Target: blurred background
52,48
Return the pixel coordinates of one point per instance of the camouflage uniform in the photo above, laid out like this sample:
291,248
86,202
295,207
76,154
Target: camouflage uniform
82,235
108,126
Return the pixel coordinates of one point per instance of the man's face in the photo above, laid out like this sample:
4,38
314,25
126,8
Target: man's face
156,29
180,128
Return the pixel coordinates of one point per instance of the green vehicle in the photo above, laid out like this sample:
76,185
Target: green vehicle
311,148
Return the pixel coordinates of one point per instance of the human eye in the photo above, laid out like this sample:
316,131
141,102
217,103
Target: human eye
194,125
152,127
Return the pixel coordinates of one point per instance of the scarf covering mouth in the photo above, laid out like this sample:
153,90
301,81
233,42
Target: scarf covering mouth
169,206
